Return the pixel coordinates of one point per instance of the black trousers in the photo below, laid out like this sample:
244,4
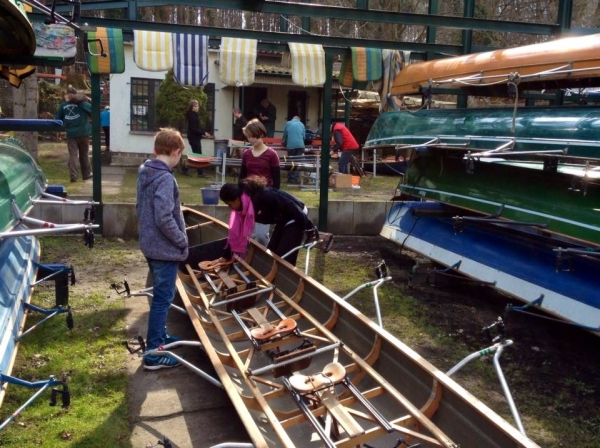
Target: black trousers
285,238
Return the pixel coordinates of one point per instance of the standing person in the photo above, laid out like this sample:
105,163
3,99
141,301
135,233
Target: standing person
75,116
105,123
267,114
195,133
163,239
260,161
239,124
345,143
251,200
293,139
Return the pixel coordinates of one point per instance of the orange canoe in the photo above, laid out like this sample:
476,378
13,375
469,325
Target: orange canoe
572,57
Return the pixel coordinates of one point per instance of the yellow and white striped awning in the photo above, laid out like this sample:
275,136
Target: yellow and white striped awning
308,64
152,50
237,64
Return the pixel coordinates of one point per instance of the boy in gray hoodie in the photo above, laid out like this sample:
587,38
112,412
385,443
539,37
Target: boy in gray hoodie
163,240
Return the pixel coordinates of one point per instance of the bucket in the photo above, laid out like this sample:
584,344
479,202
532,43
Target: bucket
210,196
355,181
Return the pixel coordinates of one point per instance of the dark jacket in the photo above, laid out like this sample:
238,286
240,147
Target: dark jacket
238,125
75,118
160,220
272,206
194,129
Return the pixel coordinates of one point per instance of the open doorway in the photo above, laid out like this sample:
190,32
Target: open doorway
297,100
250,98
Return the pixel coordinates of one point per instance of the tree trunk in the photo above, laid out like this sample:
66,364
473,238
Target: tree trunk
25,105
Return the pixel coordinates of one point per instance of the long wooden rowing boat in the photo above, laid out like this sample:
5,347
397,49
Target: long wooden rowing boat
304,368
573,58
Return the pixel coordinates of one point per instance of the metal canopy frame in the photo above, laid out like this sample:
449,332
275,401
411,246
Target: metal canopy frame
333,46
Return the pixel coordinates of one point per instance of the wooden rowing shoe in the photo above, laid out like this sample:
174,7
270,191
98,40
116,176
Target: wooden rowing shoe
337,379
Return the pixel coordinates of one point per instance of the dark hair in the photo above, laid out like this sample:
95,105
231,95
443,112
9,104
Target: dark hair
250,185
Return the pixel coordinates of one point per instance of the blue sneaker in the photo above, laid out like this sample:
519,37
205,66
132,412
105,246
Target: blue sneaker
169,339
159,362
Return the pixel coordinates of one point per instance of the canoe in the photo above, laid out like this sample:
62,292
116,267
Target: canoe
304,368
571,58
547,171
20,177
518,261
576,129
18,263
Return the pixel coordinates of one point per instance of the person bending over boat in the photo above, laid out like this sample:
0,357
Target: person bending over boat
252,201
345,143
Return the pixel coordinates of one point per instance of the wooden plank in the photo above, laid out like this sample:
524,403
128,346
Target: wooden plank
224,276
260,319
339,412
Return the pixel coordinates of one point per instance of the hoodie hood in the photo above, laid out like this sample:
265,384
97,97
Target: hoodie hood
151,170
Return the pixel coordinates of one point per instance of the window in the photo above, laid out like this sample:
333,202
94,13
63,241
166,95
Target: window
143,98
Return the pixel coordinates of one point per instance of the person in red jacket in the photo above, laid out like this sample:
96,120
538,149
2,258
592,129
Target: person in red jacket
345,143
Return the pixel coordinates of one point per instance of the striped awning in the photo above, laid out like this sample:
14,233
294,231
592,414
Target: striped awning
112,45
308,64
237,63
190,59
364,65
152,50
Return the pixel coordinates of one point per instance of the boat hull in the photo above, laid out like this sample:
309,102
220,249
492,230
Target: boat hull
19,175
16,33
18,258
573,57
407,390
563,199
514,264
576,129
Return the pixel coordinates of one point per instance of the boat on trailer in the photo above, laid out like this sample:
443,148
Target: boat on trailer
304,368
